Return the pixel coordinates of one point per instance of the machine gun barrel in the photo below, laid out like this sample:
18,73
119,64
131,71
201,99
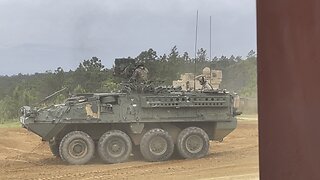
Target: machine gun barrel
52,95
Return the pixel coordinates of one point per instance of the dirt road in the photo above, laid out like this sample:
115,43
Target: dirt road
24,156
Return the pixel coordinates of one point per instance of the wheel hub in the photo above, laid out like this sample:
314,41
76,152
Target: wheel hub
194,144
116,147
158,145
78,148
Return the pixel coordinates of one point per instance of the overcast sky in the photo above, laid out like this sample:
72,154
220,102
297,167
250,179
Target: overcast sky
40,35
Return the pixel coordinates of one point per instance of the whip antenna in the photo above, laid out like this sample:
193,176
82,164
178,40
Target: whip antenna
195,54
210,52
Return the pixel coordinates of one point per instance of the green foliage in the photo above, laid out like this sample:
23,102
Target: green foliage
202,55
241,77
78,90
14,123
7,109
145,56
109,86
252,54
55,80
91,76
92,65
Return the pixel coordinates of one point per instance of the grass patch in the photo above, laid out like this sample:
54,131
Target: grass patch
10,124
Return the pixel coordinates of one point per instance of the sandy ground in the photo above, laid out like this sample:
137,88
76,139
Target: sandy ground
24,156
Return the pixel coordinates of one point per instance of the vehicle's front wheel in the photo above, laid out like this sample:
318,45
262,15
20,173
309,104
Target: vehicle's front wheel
76,147
156,145
193,142
114,146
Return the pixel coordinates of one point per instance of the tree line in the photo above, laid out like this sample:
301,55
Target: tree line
239,74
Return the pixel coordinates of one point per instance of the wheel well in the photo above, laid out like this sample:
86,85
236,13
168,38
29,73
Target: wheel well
208,127
174,129
95,130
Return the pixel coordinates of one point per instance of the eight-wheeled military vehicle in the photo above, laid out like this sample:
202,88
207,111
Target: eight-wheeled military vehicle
157,120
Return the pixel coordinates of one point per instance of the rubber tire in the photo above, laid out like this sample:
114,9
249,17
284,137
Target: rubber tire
103,141
146,139
54,147
181,143
67,139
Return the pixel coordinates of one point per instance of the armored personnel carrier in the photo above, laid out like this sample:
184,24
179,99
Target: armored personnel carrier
157,120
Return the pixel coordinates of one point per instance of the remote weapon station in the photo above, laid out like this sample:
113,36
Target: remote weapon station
152,120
